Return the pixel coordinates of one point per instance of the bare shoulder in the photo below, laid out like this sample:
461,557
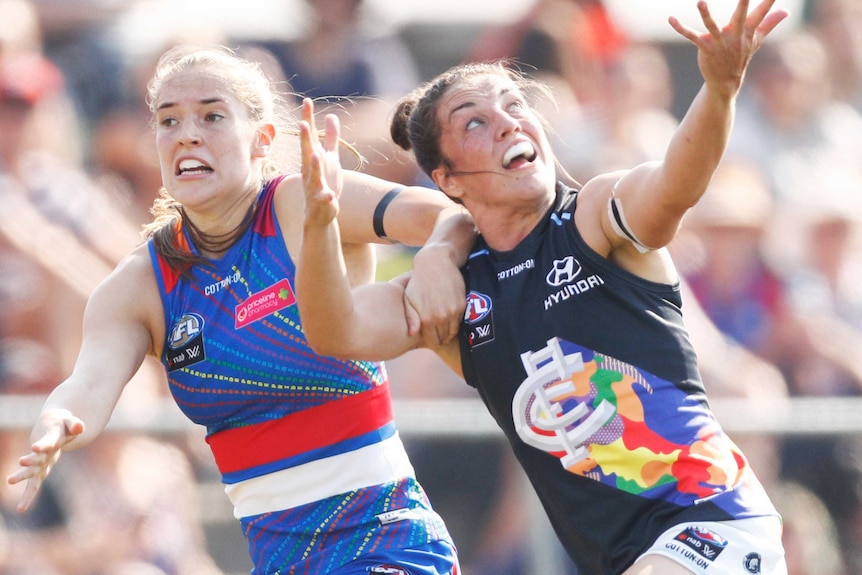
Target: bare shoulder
591,217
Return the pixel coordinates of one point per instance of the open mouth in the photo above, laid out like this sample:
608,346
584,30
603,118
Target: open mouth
188,167
518,155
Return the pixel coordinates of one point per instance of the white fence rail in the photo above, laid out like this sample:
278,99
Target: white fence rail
468,417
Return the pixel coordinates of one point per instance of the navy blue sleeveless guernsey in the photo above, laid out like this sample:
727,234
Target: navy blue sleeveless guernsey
589,371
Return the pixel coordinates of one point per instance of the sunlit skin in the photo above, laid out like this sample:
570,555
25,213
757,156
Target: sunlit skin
483,123
199,125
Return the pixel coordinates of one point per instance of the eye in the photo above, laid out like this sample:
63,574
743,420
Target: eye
473,123
214,117
167,122
516,106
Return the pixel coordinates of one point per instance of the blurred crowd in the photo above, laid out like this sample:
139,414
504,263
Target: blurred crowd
771,257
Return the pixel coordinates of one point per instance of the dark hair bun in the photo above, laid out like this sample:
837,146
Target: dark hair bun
398,128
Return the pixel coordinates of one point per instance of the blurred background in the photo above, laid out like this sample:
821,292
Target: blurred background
771,257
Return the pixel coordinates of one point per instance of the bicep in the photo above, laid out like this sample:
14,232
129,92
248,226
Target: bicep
409,218
117,335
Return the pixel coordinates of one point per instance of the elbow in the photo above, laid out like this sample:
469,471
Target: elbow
326,345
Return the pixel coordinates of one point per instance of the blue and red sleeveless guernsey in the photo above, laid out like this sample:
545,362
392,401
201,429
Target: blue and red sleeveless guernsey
590,372
306,445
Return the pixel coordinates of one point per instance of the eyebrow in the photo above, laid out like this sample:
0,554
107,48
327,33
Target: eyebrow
470,103
205,101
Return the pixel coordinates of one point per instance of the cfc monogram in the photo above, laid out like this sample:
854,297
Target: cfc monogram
538,414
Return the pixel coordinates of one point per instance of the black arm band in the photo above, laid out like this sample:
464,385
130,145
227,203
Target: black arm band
377,220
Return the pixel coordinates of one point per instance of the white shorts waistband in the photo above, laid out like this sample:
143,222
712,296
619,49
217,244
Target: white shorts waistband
371,465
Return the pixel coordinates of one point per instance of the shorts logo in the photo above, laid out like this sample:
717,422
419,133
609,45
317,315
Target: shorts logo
387,570
185,342
706,543
479,318
752,563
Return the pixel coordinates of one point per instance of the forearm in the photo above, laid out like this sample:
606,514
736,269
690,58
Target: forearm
697,148
75,398
324,294
453,235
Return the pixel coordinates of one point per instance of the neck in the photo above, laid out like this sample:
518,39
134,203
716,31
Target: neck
505,227
215,240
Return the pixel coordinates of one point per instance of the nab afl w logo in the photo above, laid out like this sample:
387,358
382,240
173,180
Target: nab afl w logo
479,318
563,271
185,342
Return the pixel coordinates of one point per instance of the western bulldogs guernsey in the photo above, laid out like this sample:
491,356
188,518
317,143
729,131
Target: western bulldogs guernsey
590,373
305,444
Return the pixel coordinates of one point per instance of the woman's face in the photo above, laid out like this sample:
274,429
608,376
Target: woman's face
206,141
488,130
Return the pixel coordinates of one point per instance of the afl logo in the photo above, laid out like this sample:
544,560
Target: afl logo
185,329
478,307
563,271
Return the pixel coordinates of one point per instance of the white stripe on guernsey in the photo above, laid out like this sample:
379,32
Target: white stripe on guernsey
371,465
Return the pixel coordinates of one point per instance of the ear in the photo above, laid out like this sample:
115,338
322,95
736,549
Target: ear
446,182
263,143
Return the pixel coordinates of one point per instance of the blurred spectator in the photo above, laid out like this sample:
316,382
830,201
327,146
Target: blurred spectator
632,122
823,281
809,532
145,522
339,56
788,122
30,94
32,540
573,39
344,59
724,263
123,154
78,37
837,24
134,500
59,232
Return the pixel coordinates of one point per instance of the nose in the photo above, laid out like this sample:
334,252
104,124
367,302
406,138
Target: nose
190,134
505,123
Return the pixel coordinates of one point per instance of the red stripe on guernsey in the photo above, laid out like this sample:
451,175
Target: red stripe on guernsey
265,222
327,424
171,276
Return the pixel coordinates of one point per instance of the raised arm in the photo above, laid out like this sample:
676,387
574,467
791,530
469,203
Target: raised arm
654,197
374,211
365,322
116,339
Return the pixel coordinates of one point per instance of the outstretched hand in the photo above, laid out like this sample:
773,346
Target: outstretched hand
724,53
321,166
54,430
